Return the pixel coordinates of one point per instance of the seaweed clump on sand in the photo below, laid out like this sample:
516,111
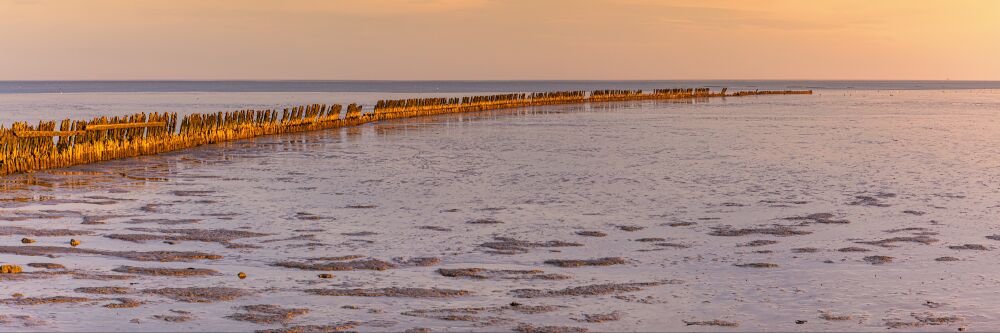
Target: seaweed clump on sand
528,328
13,230
946,259
508,245
650,239
160,271
805,250
586,262
826,315
759,242
132,255
221,236
328,265
124,303
391,292
923,319
589,290
714,322
976,247
469,314
488,220
46,300
822,218
105,290
879,260
757,265
417,261
328,328
591,233
198,294
871,201
267,314
499,274
853,249
673,245
890,242
601,317
434,228
778,230
173,318
46,265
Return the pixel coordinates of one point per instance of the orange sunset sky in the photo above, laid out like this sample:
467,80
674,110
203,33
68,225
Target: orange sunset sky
498,39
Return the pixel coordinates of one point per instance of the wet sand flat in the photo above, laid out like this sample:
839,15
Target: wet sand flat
840,211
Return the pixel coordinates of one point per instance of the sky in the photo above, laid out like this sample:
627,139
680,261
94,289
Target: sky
499,40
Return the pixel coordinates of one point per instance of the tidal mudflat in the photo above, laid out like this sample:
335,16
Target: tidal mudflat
839,211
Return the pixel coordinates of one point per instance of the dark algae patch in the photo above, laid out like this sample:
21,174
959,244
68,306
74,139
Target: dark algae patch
777,230
160,271
529,328
508,245
328,328
267,314
132,255
714,322
975,247
391,292
759,242
499,274
890,242
757,265
323,265
879,260
588,290
822,218
586,262
199,294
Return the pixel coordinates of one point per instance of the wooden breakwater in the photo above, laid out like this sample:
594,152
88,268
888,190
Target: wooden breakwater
52,144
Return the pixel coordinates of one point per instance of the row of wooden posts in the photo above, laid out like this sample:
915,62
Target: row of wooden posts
25,148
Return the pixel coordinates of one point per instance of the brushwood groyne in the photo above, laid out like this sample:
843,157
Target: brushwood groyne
55,144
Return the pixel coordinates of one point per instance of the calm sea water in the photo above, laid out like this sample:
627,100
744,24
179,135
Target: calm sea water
19,87
34,101
891,195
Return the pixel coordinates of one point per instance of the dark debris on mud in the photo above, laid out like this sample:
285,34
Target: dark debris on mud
822,218
777,230
608,261
499,274
267,314
221,236
714,322
757,265
759,242
588,290
163,256
878,260
325,265
161,271
529,328
509,245
391,292
890,242
199,294
975,247
346,326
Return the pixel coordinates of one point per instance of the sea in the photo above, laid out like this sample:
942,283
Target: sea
868,205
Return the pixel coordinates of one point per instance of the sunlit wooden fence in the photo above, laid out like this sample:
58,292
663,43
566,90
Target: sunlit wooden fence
24,147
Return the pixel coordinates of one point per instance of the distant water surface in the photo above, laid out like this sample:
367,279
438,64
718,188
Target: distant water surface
23,87
34,101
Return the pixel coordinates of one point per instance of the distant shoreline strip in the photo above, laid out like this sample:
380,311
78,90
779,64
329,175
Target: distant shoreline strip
26,148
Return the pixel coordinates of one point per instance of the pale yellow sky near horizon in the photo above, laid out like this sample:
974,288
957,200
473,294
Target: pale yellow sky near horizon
499,39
